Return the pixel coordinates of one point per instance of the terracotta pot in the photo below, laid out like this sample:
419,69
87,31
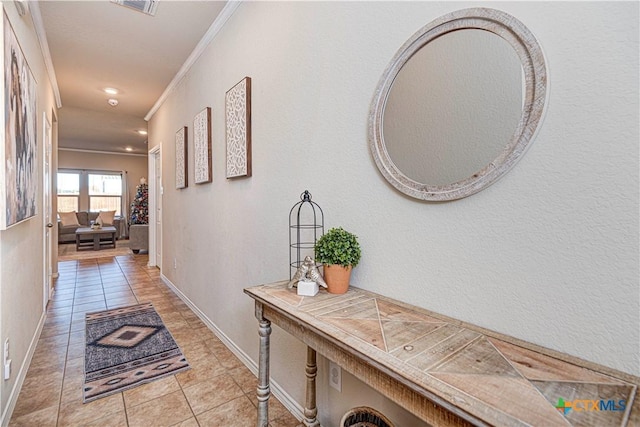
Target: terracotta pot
337,278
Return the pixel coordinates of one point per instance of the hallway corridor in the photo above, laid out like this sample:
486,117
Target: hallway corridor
218,390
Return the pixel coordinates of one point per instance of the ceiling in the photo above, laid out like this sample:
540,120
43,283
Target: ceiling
100,44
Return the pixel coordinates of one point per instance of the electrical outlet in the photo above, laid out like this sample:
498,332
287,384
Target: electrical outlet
335,376
175,263
6,361
7,369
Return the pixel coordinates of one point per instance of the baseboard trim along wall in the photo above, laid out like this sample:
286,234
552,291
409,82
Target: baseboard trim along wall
276,389
22,374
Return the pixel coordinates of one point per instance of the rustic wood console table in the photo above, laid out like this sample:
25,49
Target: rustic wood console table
446,372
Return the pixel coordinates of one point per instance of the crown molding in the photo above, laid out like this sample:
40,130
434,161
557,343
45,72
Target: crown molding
36,17
208,37
80,150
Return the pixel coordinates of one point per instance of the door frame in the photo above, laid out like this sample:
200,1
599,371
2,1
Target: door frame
47,209
155,160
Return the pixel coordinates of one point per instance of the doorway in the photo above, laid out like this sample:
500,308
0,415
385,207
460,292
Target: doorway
155,207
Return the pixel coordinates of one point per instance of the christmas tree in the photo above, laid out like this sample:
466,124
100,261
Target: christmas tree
140,205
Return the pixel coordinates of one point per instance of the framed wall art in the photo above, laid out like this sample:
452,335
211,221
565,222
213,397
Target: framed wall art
181,158
238,129
18,174
202,146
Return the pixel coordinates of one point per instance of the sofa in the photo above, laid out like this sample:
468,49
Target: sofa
67,234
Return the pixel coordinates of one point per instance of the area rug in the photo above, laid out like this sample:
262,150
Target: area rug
68,252
127,347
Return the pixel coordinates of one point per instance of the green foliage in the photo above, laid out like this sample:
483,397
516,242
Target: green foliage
338,247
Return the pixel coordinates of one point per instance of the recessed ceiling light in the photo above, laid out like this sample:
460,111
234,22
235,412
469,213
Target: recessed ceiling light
113,102
142,132
129,149
111,91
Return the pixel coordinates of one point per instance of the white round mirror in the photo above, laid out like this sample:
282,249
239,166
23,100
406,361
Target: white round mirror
458,105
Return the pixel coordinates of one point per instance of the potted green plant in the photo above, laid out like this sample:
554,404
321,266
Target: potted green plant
339,251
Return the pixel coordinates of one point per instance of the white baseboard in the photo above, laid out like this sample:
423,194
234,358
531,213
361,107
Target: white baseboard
15,392
276,389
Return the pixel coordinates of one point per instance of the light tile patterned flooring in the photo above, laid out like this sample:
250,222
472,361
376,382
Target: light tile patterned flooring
217,391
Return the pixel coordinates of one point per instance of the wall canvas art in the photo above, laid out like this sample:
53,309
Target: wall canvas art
19,188
238,129
202,146
181,158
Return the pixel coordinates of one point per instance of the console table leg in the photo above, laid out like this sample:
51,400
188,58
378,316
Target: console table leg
263,390
310,410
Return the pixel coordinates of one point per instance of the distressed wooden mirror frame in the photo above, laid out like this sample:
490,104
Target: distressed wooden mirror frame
535,97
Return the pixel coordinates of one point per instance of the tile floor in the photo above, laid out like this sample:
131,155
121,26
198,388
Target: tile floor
217,391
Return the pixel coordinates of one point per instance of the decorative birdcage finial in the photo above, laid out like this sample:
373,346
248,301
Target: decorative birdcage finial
306,226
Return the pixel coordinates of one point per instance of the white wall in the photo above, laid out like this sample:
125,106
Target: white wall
548,254
21,289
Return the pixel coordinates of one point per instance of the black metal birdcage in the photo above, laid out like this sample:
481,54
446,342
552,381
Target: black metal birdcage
306,226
